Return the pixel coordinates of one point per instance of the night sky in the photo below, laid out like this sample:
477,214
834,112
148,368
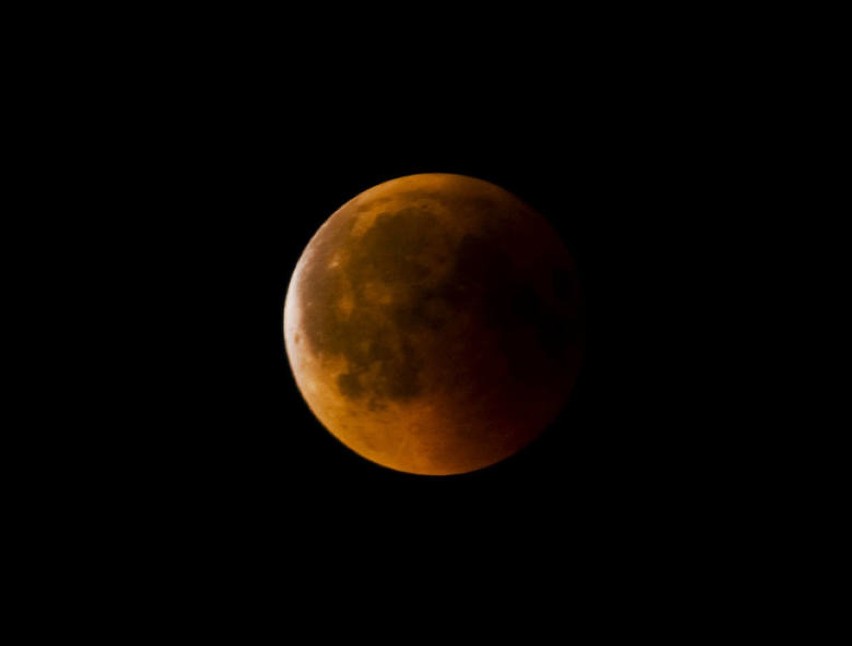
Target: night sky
624,451
233,170
176,167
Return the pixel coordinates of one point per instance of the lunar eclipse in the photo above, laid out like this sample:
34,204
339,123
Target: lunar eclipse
432,324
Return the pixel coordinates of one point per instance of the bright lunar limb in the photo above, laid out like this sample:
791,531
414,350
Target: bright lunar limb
432,324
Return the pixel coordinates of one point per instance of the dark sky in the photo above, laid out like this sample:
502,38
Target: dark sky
222,173
238,200
188,160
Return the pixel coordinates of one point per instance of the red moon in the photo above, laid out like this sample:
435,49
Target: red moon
432,324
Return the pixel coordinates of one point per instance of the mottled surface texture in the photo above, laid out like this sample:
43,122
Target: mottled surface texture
432,324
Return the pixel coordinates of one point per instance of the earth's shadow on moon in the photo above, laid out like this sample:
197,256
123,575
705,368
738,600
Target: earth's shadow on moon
386,303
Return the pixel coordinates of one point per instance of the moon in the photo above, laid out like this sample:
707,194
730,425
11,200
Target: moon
432,324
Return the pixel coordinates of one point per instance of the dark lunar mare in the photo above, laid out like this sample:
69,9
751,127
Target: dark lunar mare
398,252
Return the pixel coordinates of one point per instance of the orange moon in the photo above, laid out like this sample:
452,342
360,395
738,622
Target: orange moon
432,324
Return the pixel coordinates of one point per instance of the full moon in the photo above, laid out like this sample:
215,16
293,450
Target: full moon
432,324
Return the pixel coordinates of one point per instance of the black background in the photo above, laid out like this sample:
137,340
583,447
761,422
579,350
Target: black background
220,164
184,162
236,197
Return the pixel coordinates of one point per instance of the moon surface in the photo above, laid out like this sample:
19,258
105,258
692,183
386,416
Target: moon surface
432,324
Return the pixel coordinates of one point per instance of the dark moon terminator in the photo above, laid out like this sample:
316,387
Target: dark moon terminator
432,324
